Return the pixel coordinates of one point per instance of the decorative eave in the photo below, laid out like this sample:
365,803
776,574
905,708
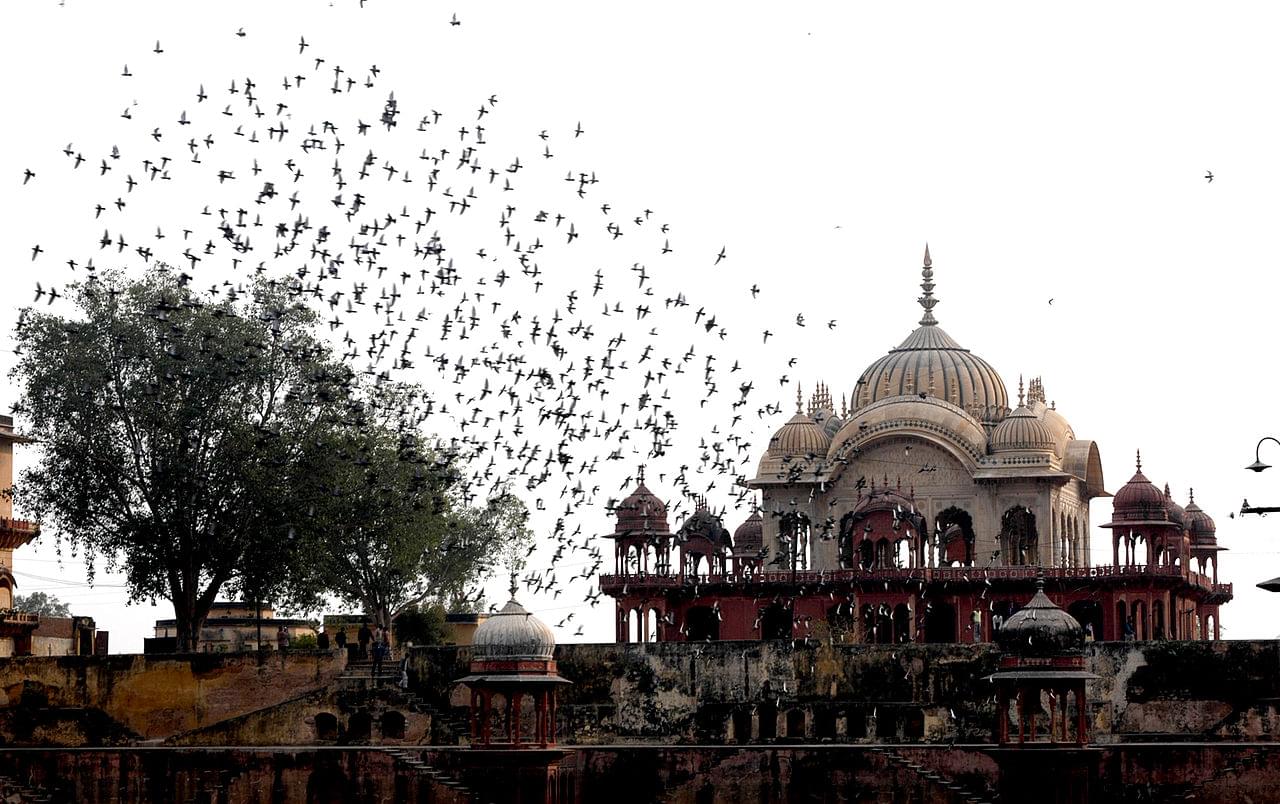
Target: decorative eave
14,533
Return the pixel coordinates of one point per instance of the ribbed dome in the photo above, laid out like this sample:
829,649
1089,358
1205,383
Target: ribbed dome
930,357
1203,530
798,438
1022,429
1040,628
641,512
749,536
1139,500
1176,512
513,633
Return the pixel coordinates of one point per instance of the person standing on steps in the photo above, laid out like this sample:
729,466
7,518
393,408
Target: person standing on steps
364,635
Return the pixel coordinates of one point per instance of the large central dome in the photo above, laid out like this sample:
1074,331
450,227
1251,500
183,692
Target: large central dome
930,362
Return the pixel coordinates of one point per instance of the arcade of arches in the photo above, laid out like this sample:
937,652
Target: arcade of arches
919,509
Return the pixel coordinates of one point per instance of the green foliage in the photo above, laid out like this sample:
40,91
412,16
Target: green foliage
43,604
171,426
303,642
382,522
421,625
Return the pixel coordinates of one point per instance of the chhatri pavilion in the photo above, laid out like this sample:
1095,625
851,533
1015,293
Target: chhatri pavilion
920,511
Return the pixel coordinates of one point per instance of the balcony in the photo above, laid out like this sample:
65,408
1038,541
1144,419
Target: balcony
615,584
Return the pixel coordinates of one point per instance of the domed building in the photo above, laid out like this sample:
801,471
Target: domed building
513,661
926,505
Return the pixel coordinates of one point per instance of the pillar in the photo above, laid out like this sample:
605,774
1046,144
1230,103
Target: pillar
513,706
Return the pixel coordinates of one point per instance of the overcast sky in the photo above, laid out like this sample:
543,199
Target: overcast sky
1044,152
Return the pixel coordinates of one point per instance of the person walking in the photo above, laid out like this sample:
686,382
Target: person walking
340,639
322,640
379,653
282,639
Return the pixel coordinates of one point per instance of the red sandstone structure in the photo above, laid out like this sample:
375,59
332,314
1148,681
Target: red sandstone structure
16,627
922,512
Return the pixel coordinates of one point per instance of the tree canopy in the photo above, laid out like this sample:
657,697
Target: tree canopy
43,604
171,426
386,526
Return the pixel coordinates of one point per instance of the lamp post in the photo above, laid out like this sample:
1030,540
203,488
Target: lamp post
1258,466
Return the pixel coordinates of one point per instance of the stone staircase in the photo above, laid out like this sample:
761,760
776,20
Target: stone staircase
958,792
445,788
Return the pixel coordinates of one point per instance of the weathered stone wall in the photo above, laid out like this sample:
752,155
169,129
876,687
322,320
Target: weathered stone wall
148,697
755,691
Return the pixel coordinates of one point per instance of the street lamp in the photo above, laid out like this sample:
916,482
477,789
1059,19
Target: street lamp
1258,465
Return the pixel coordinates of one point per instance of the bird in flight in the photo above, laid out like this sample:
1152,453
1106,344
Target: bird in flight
454,21
1050,301
720,256
1208,174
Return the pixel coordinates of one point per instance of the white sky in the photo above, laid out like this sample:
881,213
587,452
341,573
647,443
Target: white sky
1043,151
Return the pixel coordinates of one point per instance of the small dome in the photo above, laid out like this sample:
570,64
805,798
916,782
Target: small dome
1022,429
829,423
799,438
641,512
513,634
1177,513
749,536
1139,500
706,525
1040,628
1203,530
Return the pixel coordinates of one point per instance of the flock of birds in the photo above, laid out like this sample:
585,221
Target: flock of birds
440,247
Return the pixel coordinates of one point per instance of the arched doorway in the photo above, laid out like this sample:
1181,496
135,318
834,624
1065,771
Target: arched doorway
940,622
1138,611
902,623
359,727
776,622
884,624
1019,540
392,725
702,624
1089,615
326,726
1157,619
955,537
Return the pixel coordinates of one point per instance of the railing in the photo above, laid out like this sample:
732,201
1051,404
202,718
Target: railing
14,617
19,525
924,574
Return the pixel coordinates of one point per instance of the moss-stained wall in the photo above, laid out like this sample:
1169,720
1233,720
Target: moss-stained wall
690,693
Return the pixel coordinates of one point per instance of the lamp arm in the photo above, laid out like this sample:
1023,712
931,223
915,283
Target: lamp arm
1257,451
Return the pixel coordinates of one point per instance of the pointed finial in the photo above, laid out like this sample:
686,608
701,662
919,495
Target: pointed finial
927,301
640,475
1019,390
1139,460
1040,579
1166,491
1191,493
514,585
799,408
844,407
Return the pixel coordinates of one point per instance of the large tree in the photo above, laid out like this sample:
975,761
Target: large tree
385,524
172,426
